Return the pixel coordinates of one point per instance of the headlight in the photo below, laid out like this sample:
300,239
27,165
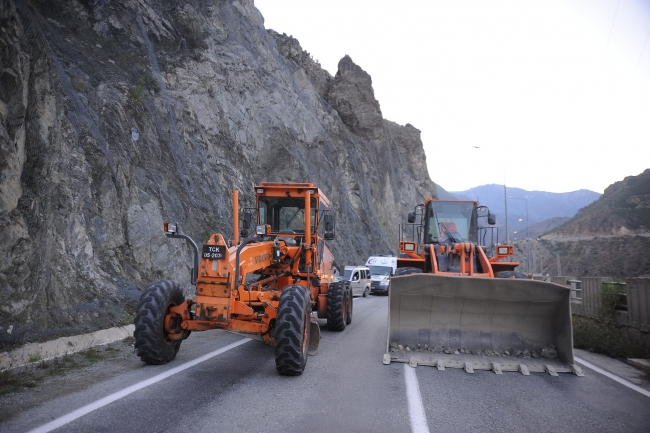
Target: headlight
263,229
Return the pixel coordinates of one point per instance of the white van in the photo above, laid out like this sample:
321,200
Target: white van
359,278
381,269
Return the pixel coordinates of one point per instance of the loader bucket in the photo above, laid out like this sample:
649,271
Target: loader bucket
480,323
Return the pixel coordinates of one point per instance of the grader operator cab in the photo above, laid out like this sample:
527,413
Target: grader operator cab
265,286
455,303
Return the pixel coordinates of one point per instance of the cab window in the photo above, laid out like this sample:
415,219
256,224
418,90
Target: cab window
286,215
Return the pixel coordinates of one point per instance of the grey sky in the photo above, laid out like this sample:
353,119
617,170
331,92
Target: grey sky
556,94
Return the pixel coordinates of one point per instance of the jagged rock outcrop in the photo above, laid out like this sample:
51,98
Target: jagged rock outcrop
116,116
352,96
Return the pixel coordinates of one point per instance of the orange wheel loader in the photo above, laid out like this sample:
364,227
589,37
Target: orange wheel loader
265,286
455,303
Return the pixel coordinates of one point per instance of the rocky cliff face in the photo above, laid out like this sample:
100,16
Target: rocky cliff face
116,116
624,209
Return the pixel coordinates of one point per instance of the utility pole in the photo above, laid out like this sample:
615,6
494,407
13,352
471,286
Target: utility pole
527,231
559,266
533,262
505,200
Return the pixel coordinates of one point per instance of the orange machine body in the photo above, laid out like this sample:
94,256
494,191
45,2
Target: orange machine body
436,246
238,286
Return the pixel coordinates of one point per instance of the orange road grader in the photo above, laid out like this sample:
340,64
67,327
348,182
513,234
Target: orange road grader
265,286
455,303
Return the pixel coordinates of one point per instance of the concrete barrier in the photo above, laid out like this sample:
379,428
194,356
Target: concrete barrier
36,352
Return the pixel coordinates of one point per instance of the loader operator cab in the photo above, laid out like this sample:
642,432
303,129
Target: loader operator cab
445,227
450,222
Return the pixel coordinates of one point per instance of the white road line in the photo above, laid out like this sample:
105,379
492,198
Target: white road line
416,409
65,419
613,377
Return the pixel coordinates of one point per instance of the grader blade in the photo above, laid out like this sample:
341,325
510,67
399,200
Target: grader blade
480,324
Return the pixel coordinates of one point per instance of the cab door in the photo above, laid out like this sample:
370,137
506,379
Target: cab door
355,283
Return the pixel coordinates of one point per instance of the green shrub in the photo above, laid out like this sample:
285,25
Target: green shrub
611,295
606,337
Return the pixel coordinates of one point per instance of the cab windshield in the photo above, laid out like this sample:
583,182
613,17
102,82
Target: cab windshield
451,221
380,270
285,215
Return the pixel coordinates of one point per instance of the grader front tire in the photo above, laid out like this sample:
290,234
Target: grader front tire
152,343
292,331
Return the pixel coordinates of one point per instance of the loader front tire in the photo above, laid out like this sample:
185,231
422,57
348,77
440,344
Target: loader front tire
152,343
337,308
292,331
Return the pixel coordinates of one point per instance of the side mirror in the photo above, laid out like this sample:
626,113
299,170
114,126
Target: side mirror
246,224
330,226
411,217
492,219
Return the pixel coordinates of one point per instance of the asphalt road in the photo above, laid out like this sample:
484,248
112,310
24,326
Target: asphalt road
345,388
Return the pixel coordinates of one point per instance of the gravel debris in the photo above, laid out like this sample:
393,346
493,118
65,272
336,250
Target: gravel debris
549,352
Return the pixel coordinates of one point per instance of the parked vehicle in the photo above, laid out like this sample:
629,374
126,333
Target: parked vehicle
359,279
381,269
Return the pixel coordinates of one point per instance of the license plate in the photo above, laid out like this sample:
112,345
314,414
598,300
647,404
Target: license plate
213,252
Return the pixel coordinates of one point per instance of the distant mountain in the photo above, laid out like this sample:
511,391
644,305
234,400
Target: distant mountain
542,206
623,209
605,238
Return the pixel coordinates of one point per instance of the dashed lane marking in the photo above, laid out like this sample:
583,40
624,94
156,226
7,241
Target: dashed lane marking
416,409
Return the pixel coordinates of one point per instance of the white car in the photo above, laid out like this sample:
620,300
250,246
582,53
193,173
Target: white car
359,278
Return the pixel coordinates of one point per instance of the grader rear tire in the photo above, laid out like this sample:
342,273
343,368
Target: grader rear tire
337,309
152,343
292,331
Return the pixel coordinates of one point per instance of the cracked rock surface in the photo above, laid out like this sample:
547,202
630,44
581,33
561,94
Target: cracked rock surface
116,116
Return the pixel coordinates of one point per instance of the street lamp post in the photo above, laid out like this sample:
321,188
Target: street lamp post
527,232
505,202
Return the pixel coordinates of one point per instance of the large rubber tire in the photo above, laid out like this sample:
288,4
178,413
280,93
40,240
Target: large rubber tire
337,309
348,318
407,271
365,292
151,342
511,274
292,331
